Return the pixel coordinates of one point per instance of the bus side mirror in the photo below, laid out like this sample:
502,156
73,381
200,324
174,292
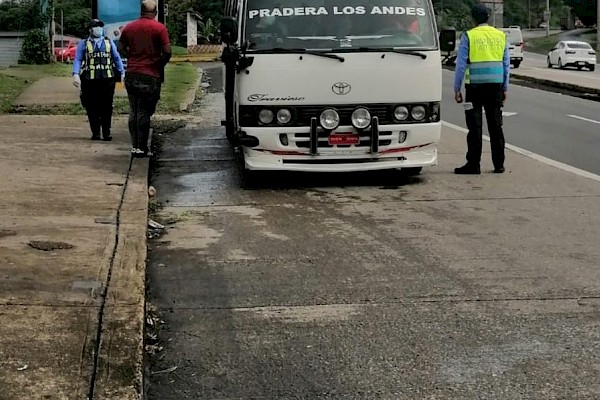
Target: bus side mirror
229,30
447,40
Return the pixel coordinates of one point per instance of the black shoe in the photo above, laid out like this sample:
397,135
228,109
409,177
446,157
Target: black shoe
468,169
499,170
107,138
95,137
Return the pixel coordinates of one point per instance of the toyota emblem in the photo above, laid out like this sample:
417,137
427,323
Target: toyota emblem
341,88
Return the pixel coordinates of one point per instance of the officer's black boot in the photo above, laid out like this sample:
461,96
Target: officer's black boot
468,169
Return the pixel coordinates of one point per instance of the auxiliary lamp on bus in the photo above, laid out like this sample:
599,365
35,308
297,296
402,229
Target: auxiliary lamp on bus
361,118
329,119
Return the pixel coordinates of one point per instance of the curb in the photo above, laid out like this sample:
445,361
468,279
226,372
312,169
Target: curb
120,373
191,93
547,82
561,85
197,58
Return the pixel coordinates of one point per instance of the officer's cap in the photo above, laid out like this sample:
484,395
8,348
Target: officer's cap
95,22
480,13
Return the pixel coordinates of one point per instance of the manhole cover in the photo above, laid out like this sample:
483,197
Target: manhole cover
49,246
6,232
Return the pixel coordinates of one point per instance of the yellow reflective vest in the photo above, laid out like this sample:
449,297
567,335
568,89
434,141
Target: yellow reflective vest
486,54
97,64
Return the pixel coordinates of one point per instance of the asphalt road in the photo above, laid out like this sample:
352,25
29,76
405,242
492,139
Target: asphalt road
365,286
560,127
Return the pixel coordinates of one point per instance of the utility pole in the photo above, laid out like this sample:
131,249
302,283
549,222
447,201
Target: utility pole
598,25
547,18
529,13
53,34
62,33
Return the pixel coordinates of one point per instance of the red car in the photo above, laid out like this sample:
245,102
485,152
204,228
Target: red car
67,53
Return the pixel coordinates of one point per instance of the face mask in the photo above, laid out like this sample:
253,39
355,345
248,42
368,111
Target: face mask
97,31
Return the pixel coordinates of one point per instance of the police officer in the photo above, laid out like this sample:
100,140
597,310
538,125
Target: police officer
483,62
96,69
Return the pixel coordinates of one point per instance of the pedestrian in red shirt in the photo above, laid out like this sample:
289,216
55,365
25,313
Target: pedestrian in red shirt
146,45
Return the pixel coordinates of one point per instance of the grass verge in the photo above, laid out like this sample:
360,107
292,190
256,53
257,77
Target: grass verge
542,45
14,80
179,79
10,87
178,51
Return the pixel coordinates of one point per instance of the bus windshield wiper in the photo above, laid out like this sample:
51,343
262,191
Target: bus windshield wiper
304,51
397,51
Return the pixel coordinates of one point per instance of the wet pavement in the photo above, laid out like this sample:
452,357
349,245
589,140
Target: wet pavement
371,286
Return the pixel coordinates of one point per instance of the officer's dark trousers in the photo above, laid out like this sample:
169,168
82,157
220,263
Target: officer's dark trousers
97,99
488,97
143,92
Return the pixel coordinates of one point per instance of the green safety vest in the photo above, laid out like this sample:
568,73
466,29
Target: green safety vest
97,64
486,55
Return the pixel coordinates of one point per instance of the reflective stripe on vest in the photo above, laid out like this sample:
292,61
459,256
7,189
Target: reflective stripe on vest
97,64
486,54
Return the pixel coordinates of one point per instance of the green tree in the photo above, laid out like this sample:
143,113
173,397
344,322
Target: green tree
585,10
35,48
76,16
20,15
454,13
177,19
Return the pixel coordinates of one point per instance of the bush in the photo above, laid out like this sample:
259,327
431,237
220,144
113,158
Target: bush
35,48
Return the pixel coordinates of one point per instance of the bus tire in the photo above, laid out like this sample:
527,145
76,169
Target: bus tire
412,171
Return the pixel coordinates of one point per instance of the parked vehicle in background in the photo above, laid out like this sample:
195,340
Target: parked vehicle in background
572,54
66,52
516,45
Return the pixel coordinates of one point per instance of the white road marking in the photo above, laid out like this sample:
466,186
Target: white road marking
537,157
583,119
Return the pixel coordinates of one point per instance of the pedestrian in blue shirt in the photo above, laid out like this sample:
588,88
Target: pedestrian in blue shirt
96,70
483,63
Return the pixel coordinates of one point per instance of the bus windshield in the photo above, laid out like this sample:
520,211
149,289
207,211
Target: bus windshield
338,24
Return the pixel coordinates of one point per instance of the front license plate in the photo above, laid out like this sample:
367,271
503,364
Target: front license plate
343,139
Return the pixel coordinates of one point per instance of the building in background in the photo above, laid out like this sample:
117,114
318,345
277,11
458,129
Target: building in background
10,48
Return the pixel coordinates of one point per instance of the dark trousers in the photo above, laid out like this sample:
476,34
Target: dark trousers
143,92
97,99
489,98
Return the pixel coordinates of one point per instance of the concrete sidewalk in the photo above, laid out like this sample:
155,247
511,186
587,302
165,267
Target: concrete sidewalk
54,90
72,260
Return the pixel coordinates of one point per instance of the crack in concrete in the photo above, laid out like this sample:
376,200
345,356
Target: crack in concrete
104,293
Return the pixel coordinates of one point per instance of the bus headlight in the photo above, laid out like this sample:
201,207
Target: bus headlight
361,118
265,116
329,119
284,116
401,113
418,113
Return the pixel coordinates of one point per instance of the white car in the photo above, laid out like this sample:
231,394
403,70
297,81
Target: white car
568,53
515,45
